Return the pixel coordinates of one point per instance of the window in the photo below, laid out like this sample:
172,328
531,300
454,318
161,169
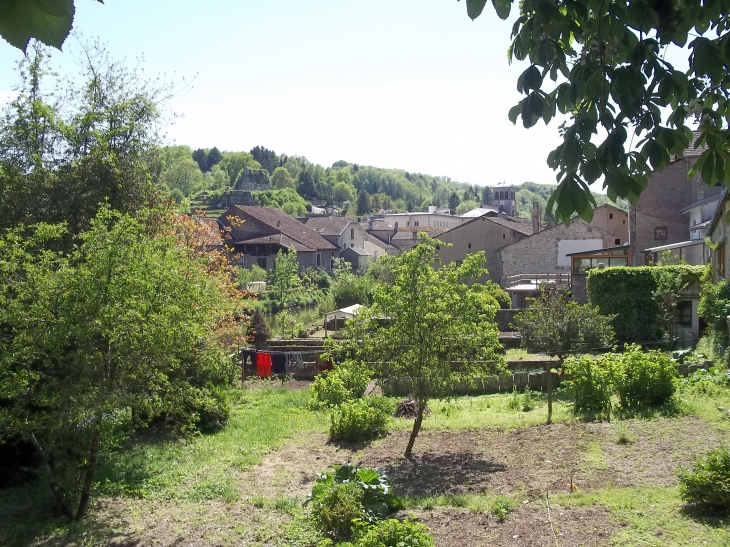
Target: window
438,247
610,216
262,262
683,313
617,242
332,264
352,233
660,232
319,259
415,223
503,236
624,221
352,244
333,254
469,245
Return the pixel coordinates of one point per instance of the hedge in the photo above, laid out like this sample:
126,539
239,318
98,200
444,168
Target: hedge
629,293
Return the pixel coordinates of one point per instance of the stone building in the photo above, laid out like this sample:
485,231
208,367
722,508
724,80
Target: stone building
485,233
613,221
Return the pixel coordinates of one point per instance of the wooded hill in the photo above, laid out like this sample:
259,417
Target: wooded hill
200,179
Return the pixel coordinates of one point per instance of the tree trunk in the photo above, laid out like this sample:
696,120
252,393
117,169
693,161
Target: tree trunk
414,432
90,470
60,500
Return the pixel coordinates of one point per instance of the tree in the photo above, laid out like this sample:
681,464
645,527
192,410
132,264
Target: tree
281,178
267,158
466,206
201,158
214,158
342,191
609,60
362,204
454,201
184,175
119,330
558,326
66,149
285,275
487,195
428,325
261,329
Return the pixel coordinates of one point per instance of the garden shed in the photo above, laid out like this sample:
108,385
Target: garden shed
336,319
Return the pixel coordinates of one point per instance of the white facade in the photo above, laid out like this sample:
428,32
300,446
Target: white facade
426,220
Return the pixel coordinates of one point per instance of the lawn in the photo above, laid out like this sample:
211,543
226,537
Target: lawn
245,485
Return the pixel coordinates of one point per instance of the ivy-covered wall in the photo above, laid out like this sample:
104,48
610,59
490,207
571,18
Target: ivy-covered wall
629,293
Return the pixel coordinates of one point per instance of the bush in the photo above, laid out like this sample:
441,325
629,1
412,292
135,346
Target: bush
707,484
358,421
350,494
643,378
396,533
345,383
501,507
592,384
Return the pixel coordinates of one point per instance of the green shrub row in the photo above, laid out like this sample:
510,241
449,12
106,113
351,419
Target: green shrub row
628,292
640,379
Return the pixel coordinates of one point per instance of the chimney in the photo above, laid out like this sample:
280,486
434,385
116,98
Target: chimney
535,217
431,209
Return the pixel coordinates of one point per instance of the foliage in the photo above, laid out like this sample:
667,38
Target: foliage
424,320
244,276
344,383
312,277
466,206
348,495
714,306
281,178
358,421
643,378
49,23
396,533
284,276
123,325
70,148
556,325
289,327
501,507
614,79
592,383
707,484
628,294
261,331
285,199
348,288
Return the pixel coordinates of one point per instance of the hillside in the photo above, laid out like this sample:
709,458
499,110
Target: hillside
206,178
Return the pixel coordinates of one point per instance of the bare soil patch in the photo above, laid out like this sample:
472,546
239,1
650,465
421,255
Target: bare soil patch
527,526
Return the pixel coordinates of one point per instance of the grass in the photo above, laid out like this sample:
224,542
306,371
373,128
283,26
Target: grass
196,470
652,517
519,354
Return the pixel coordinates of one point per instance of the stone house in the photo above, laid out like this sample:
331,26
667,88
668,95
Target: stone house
613,221
718,231
485,233
359,258
258,233
343,232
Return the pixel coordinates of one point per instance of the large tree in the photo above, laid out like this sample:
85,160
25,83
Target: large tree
629,106
556,325
119,330
433,326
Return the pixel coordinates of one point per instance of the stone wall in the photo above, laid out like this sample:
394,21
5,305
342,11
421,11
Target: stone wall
538,254
253,179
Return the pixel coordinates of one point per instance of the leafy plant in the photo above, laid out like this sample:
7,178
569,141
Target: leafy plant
501,507
349,494
592,383
358,421
707,484
345,383
643,378
395,533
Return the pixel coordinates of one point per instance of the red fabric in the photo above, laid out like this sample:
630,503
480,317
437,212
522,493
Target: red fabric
263,365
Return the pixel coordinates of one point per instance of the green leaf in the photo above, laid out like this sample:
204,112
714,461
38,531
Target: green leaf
502,7
48,21
474,8
708,168
514,112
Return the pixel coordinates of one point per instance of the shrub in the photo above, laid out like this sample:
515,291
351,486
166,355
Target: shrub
395,533
358,421
592,383
707,484
501,507
643,378
350,494
345,383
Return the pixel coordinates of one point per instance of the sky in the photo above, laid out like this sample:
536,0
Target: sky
409,84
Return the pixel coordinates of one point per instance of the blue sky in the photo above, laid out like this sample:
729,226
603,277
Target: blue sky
412,84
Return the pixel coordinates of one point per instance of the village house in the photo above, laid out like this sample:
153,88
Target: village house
719,233
258,233
612,220
673,214
484,233
346,233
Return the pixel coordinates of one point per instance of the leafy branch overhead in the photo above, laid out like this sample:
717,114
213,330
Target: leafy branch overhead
48,21
628,105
